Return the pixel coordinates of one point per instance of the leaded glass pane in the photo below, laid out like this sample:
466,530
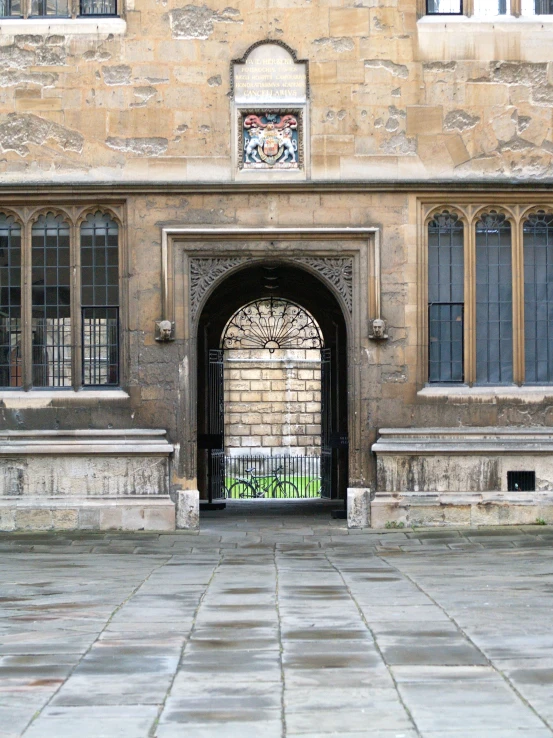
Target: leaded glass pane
100,300
51,319
444,7
10,8
537,7
491,7
98,7
538,298
10,302
446,298
50,8
494,309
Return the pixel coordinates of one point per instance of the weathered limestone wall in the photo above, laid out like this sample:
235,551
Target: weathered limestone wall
390,98
272,402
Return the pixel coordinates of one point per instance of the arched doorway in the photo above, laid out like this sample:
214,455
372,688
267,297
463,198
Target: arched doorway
274,288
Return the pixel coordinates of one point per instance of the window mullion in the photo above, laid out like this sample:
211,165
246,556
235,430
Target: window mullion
470,304
75,252
518,303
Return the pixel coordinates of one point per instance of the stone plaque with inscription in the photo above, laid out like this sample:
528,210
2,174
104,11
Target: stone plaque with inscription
270,75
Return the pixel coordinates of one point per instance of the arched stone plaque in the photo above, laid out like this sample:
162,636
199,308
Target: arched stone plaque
269,74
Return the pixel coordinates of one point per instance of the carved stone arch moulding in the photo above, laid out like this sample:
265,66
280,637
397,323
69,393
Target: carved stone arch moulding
533,210
205,272
441,210
113,212
49,210
494,211
10,213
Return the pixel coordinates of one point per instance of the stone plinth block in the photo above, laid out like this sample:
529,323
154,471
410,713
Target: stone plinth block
188,509
359,507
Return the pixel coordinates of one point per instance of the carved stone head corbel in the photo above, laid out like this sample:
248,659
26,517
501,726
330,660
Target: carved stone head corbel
378,329
165,331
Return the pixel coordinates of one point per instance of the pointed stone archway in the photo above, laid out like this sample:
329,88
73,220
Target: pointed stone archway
207,273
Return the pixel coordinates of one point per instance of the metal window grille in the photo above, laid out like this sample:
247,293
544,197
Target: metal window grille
100,342
10,302
521,481
494,304
98,7
51,319
50,8
10,9
538,298
272,477
444,7
100,300
446,298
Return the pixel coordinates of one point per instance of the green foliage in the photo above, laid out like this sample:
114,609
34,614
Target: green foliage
394,524
541,521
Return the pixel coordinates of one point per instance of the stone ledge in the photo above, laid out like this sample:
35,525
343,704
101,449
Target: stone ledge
458,509
63,26
85,442
56,513
497,441
38,399
534,394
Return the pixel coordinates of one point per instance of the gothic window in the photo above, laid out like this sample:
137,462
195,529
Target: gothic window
490,298
10,302
538,297
70,288
445,298
494,300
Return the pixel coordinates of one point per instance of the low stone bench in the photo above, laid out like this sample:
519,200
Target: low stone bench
90,479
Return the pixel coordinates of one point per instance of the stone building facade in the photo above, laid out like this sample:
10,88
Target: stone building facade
388,163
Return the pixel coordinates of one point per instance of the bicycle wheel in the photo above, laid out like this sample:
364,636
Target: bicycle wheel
286,489
241,490
313,487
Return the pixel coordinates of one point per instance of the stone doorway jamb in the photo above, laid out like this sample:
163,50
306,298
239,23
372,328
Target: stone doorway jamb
226,250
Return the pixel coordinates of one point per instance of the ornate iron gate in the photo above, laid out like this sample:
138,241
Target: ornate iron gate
326,423
292,322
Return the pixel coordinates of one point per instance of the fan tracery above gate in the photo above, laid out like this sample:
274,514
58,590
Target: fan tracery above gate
272,323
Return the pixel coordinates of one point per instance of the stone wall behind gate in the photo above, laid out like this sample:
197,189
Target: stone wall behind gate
272,402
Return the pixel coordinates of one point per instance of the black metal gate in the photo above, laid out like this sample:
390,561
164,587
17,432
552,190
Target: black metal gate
326,423
214,440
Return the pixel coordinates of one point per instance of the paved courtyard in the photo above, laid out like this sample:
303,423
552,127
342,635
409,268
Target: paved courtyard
277,626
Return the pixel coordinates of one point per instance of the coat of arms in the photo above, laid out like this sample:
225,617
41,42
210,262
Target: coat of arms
270,141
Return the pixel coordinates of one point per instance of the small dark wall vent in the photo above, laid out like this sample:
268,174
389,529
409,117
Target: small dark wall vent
521,481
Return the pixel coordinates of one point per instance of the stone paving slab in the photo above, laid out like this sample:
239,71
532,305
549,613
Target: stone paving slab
288,627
